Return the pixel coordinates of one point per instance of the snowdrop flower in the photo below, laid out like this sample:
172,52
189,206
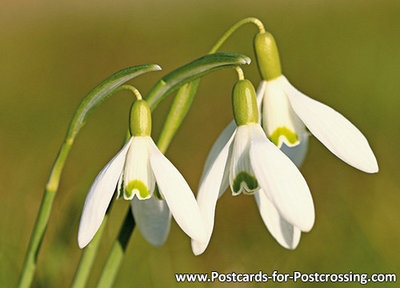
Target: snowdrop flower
138,168
245,159
286,112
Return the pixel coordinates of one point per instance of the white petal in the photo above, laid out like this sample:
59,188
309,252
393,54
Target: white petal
279,121
242,178
153,219
260,95
220,143
340,136
297,153
213,183
281,181
99,197
120,185
225,179
138,175
178,195
285,233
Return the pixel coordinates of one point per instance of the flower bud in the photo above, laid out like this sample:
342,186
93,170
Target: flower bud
267,56
140,119
244,103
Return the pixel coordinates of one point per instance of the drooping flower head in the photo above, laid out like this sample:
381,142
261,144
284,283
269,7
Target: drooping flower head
138,169
286,113
244,159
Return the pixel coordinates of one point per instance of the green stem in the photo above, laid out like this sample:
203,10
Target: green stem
130,88
177,113
44,214
114,260
88,256
185,95
233,28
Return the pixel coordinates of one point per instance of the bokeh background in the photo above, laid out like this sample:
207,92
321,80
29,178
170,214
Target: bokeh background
343,53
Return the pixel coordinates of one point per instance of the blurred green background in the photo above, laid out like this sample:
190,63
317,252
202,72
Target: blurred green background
343,53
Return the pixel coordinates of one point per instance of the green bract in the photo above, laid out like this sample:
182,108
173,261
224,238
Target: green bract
244,103
267,56
140,119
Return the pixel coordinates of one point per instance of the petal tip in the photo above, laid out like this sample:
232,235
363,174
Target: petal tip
83,241
86,233
199,234
374,167
308,224
159,243
292,247
368,164
246,60
373,170
198,247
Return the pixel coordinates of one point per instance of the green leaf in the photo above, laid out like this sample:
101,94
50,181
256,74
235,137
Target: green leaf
192,71
179,108
101,92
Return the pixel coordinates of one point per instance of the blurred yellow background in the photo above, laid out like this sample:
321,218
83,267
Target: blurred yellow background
343,53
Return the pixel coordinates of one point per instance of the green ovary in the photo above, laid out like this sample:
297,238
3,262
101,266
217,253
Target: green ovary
249,181
138,186
283,131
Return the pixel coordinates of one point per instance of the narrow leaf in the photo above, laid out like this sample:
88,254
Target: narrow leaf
102,91
192,71
179,108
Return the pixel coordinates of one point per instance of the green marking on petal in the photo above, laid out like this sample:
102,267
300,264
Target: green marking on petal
120,189
128,194
157,194
249,180
291,137
139,186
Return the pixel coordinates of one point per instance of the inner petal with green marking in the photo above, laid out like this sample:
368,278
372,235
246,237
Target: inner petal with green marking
290,137
244,182
120,187
138,188
157,194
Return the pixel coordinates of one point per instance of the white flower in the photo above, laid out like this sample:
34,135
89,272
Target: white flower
140,166
286,112
245,159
